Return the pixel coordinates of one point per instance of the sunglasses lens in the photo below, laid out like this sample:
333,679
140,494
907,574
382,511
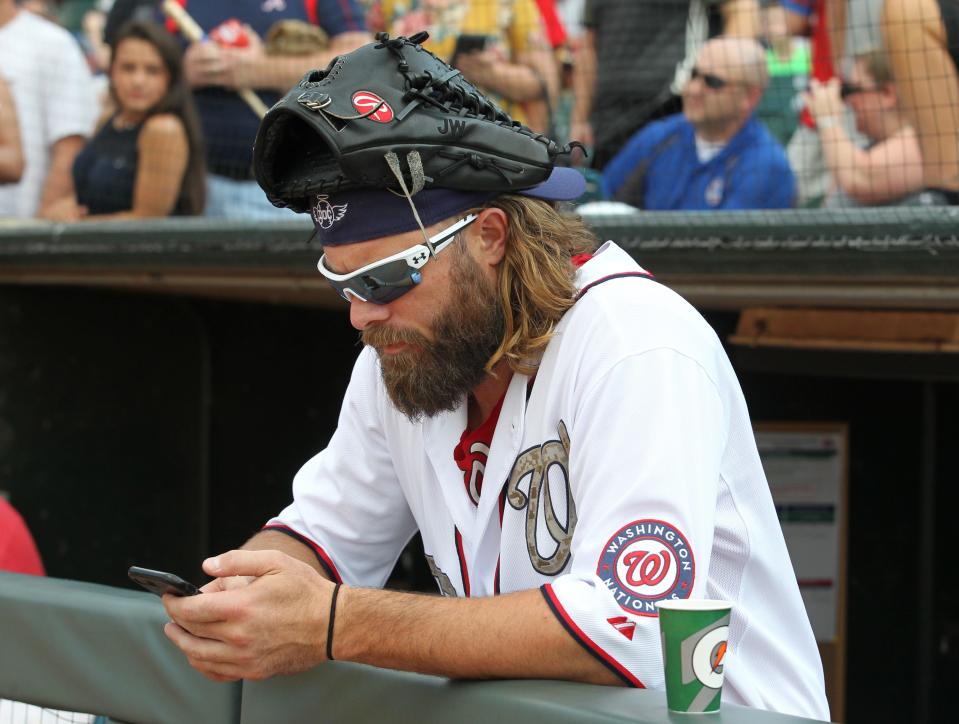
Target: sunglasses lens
380,285
713,82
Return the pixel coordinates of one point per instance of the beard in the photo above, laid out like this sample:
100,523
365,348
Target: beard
434,376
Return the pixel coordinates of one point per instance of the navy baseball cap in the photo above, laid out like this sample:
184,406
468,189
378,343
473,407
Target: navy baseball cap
363,214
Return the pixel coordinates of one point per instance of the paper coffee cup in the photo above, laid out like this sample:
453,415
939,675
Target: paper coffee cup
694,634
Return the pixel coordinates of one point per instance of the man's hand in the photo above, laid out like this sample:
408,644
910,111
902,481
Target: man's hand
824,100
482,67
241,64
265,614
203,64
65,210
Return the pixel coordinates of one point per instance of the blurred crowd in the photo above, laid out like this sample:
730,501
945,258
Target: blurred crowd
119,109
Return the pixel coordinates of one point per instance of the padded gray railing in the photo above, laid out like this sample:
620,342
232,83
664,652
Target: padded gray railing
91,648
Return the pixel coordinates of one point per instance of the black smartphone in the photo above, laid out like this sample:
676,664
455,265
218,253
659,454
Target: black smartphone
470,44
160,582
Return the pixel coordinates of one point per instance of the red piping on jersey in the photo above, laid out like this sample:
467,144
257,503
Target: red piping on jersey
311,12
644,275
321,554
462,556
585,641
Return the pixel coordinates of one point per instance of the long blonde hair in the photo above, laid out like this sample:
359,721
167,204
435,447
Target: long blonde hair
536,279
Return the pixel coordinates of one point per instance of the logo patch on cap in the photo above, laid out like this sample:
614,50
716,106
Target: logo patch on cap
326,214
365,101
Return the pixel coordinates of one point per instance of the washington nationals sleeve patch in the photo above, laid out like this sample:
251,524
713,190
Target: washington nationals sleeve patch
646,562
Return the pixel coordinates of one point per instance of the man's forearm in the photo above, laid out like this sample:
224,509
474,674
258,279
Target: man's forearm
845,160
518,82
584,78
280,72
509,636
741,18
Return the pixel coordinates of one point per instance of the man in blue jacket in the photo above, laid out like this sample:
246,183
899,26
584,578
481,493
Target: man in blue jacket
713,155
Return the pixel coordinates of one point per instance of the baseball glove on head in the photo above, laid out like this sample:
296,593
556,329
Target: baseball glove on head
392,115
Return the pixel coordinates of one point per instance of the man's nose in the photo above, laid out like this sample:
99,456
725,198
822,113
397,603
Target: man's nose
362,313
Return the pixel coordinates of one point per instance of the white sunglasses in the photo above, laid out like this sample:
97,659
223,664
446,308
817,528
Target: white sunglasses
388,279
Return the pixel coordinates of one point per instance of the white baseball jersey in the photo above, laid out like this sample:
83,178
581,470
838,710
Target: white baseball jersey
625,473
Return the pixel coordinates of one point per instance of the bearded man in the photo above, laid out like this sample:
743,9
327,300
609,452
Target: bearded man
567,435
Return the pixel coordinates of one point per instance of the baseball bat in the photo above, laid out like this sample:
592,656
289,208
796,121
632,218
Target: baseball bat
194,33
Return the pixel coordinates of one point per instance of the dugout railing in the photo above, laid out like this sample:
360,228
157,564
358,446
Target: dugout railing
873,257
89,648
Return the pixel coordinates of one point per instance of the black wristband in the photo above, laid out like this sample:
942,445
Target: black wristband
329,630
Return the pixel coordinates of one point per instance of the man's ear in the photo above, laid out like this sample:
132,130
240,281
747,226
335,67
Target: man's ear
488,241
754,94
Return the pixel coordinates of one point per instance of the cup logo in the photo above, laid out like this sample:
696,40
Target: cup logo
708,655
646,562
366,101
694,654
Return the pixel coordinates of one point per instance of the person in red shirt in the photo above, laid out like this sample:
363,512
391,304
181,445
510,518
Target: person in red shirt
18,552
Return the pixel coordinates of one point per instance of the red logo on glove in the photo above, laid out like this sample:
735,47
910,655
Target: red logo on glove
366,101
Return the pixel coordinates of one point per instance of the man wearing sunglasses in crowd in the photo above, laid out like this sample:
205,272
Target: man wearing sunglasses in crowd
565,433
889,168
715,154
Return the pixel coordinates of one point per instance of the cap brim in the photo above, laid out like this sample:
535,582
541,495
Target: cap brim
563,184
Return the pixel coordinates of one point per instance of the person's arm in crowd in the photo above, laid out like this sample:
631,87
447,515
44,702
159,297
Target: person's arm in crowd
208,64
741,18
58,186
163,153
525,71
887,171
584,85
433,635
11,150
926,76
523,79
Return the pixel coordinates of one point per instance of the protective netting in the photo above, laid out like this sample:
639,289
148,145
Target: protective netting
683,104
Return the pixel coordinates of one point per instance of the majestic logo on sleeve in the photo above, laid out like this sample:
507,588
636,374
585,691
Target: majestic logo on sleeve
545,466
326,214
365,101
646,562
